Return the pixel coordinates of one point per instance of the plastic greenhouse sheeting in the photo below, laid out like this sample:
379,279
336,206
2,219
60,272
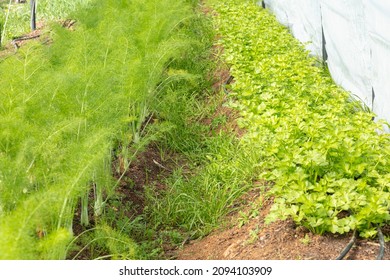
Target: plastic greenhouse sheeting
347,46
378,22
354,35
303,19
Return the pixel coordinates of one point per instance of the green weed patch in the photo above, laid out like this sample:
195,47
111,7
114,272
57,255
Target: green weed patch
328,159
218,170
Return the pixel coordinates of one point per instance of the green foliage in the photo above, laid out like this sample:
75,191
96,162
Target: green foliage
2,23
328,159
222,166
15,19
197,203
65,109
182,93
221,170
56,10
104,242
46,11
55,244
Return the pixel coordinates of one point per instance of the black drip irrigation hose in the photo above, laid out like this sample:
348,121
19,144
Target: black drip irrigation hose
353,240
348,247
228,81
381,245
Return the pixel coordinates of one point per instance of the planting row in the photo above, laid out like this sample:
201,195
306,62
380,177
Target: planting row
68,108
328,160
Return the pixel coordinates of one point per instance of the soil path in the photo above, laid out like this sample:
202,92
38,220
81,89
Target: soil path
282,240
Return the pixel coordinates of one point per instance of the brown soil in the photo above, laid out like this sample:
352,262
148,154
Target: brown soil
150,168
282,240
20,41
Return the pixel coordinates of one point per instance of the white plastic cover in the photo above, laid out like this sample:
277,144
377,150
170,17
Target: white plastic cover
347,46
378,22
281,9
303,18
357,35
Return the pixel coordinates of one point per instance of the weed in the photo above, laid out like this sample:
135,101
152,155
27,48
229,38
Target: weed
252,213
197,203
243,219
306,240
218,121
253,235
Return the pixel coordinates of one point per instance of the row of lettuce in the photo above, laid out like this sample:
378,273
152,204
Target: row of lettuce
68,108
328,159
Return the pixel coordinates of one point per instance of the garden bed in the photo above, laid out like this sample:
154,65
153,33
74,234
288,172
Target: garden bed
133,137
